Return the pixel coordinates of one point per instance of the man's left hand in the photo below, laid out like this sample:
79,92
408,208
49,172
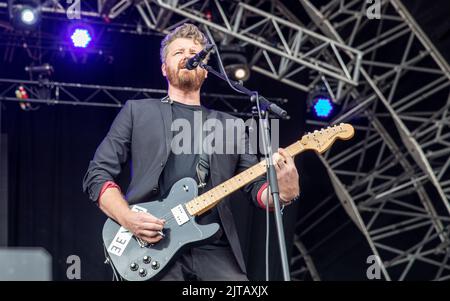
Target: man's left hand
287,175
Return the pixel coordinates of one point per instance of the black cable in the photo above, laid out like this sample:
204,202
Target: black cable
266,155
219,60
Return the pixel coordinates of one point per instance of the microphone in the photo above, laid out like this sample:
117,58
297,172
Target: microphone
194,61
278,111
270,106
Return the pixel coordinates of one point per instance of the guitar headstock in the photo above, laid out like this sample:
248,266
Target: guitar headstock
322,140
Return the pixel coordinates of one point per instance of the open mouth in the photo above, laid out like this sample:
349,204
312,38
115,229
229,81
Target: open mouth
184,69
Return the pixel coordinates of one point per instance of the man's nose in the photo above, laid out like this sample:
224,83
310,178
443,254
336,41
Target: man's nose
184,59
186,56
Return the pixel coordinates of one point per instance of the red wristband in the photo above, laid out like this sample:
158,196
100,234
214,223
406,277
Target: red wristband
108,184
259,196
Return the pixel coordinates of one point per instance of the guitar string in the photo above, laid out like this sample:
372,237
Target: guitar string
169,217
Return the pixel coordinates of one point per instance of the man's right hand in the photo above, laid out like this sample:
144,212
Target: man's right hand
143,225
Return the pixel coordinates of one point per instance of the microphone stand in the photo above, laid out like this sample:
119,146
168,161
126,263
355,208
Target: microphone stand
264,106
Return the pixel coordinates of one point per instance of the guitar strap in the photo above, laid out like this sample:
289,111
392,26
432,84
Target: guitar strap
202,167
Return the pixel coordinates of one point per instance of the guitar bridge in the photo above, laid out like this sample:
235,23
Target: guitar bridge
142,244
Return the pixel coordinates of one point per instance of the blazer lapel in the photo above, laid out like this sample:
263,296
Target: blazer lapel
166,114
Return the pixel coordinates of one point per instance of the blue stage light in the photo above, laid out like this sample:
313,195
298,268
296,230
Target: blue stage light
323,107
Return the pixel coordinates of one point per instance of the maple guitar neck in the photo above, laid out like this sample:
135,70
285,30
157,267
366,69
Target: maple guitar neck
212,197
318,141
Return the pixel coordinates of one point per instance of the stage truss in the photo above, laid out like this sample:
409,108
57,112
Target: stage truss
400,201
393,178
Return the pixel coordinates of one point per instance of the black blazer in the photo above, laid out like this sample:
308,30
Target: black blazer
141,133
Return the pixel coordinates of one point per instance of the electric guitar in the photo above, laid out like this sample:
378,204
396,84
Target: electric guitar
134,259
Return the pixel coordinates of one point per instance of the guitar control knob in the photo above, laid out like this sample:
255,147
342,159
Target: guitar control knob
134,266
155,265
142,272
147,259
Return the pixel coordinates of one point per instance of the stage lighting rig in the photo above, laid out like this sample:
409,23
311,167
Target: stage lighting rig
24,14
321,104
235,62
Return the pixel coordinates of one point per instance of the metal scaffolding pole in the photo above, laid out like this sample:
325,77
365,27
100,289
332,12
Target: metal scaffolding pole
76,94
283,49
405,189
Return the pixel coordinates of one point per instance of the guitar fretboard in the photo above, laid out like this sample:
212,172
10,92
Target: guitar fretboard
212,197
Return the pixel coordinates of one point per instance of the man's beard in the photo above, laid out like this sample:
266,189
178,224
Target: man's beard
186,80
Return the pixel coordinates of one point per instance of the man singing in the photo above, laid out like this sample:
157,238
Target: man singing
142,133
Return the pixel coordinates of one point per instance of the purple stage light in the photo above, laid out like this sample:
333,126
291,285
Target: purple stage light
323,107
81,38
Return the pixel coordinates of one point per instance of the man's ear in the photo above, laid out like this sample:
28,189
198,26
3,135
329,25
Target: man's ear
163,69
206,73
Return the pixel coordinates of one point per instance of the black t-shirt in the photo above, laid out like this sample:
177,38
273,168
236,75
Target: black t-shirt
183,164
